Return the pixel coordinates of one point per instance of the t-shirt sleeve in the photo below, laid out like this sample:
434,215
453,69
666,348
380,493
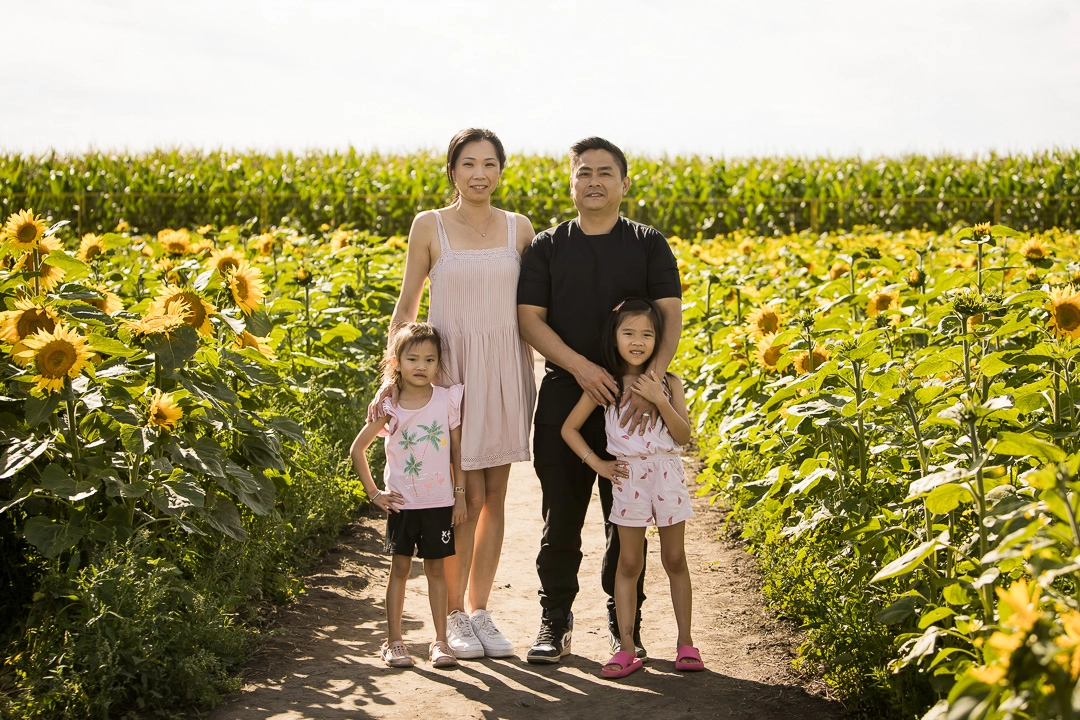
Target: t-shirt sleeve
391,425
664,279
534,282
455,393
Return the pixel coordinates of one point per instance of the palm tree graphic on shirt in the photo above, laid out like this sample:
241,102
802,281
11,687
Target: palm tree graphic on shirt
409,440
434,434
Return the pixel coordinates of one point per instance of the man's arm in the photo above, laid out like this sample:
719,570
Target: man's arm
593,379
671,312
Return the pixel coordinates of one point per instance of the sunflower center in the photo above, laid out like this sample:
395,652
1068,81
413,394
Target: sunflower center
227,264
56,358
241,287
26,233
882,302
1068,316
33,320
769,322
93,251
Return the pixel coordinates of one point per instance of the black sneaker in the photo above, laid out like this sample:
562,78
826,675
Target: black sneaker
553,640
613,633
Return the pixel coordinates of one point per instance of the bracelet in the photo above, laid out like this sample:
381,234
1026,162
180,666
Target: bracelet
376,495
583,457
459,490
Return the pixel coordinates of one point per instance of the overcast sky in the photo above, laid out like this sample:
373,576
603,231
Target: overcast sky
753,77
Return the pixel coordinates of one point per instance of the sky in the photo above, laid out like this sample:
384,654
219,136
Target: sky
671,77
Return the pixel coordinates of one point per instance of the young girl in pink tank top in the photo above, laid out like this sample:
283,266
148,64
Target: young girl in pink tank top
647,474
424,488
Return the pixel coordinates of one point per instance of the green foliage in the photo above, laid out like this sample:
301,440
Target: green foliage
681,196
894,419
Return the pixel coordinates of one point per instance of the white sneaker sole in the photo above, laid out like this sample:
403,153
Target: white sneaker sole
467,654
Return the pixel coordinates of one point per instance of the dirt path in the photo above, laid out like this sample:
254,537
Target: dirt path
321,662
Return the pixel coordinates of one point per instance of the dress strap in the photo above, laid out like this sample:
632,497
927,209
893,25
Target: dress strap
511,231
444,241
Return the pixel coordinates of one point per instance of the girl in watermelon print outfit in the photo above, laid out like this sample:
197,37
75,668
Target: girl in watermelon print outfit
424,488
650,486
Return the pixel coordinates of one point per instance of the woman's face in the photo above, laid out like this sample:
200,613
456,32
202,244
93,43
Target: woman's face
476,170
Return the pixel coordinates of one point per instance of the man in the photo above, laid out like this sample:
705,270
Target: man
572,276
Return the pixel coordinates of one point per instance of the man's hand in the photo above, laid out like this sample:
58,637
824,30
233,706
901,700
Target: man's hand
638,415
374,410
596,382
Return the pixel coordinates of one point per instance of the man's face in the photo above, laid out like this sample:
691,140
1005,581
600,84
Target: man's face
596,182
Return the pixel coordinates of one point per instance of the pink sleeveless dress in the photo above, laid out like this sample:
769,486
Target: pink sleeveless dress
473,305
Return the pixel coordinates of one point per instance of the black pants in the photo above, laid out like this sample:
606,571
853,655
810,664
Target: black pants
567,486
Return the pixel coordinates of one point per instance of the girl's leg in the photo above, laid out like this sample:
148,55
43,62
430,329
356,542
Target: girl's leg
436,582
631,562
400,566
488,539
458,564
673,554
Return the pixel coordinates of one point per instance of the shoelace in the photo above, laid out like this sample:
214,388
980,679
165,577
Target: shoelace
488,626
462,625
549,632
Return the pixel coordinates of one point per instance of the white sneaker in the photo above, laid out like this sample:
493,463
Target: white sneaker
461,638
494,642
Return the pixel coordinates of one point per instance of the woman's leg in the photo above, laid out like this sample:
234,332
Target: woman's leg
488,538
457,565
673,555
400,566
631,561
436,582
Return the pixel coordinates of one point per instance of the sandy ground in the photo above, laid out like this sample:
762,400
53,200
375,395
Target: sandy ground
320,661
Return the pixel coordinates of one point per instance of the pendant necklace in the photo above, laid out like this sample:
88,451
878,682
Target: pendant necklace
482,234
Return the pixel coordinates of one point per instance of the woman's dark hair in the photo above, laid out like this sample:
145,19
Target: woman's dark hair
407,336
609,352
462,139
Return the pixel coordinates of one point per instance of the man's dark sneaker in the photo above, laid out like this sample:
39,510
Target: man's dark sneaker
613,633
553,640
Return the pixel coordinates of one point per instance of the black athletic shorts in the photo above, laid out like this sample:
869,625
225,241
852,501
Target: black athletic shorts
428,531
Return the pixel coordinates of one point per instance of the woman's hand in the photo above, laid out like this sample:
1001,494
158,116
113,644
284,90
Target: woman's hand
387,501
374,409
613,470
640,413
649,387
461,513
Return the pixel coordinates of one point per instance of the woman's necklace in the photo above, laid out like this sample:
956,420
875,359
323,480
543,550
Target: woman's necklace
484,232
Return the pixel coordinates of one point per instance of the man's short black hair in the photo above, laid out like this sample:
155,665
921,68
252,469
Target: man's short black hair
597,143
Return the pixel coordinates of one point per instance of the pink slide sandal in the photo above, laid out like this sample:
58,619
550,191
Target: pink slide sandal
687,659
625,663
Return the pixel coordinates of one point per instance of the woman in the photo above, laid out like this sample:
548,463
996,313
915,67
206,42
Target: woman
471,251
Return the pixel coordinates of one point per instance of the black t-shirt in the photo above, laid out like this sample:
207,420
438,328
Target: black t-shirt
580,278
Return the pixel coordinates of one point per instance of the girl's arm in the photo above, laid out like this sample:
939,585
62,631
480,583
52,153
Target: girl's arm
673,410
382,499
613,470
461,513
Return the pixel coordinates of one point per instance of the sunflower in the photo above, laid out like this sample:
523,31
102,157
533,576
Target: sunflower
163,412
399,243
25,230
90,247
803,360
763,320
916,279
246,285
982,230
882,301
175,242
56,355
225,261
25,320
156,323
767,354
1035,250
122,226
746,247
1064,307
1032,276
203,230
109,303
247,340
339,240
963,262
264,244
303,276
838,270
199,308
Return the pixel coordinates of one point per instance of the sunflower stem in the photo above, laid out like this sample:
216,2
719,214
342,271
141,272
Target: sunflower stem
967,353
73,432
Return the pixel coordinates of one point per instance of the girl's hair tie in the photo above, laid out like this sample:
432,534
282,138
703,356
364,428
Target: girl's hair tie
618,307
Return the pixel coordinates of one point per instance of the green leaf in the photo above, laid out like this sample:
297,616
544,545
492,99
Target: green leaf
108,346
56,481
258,323
898,611
1019,444
255,490
956,594
60,259
911,559
51,538
263,451
40,409
933,616
225,518
137,439
21,453
928,482
946,498
346,332
172,352
178,493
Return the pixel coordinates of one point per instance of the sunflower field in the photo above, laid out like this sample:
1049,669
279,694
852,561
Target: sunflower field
175,418
891,415
894,418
